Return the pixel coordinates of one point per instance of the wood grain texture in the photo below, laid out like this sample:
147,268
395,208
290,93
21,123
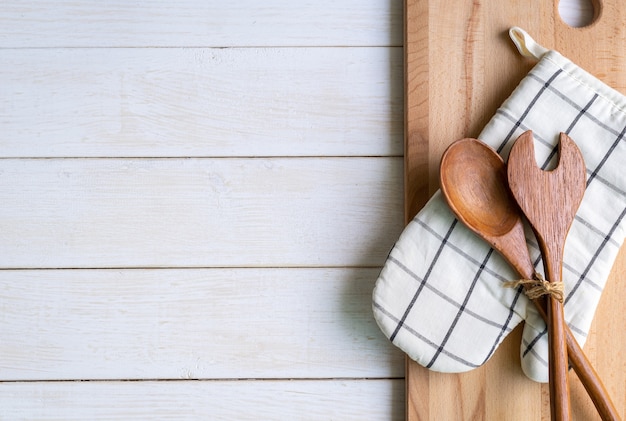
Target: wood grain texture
453,97
376,400
192,23
191,324
182,102
101,213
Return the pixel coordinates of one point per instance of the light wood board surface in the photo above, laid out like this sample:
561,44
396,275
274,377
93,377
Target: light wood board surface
460,66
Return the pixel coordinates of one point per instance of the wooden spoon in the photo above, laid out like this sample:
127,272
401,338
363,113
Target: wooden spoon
474,183
550,199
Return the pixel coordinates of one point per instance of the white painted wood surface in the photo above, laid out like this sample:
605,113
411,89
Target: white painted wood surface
376,400
221,213
177,102
193,23
189,231
266,212
282,323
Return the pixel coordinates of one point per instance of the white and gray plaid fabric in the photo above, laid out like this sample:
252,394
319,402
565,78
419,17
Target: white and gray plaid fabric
439,296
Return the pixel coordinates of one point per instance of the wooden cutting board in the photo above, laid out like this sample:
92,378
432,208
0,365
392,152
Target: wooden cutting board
460,66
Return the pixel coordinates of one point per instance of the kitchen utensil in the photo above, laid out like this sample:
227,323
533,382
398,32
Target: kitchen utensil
474,183
549,200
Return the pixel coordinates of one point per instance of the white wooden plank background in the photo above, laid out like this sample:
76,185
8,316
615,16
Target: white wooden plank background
174,102
99,213
199,400
193,23
191,324
189,231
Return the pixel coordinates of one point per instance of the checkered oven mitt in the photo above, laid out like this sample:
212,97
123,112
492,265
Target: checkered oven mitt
439,296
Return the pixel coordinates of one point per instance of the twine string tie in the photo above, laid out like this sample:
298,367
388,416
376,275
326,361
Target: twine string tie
538,287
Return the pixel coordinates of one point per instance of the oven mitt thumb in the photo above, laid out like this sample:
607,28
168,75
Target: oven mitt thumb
440,295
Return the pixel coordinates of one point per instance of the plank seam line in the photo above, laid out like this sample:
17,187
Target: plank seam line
200,157
229,379
189,268
204,47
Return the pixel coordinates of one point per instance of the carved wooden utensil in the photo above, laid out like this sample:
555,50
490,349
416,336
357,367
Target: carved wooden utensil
550,199
474,182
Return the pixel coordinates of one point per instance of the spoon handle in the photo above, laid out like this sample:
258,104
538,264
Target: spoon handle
581,365
577,359
559,378
557,358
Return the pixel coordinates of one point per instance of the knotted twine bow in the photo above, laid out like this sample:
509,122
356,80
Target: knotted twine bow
538,287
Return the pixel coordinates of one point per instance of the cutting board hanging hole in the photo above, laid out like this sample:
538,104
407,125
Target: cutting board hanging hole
579,13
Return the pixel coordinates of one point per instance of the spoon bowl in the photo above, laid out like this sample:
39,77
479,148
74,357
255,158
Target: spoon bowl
484,201
474,183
